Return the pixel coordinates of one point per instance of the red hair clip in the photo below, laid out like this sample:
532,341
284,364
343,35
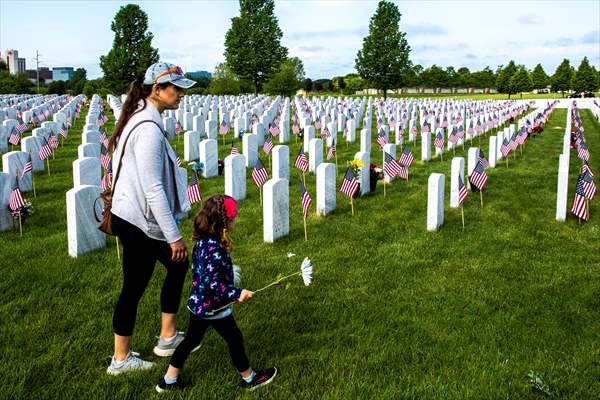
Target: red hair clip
230,208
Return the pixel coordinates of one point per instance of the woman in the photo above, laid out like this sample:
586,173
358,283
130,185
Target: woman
148,193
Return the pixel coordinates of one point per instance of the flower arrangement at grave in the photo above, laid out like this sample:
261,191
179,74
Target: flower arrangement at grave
355,166
22,212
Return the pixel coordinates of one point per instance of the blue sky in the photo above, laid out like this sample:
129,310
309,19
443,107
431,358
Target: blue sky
326,35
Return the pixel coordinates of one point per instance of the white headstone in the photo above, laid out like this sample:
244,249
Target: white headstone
281,162
82,232
235,176
473,158
365,141
315,154
276,202
198,124
435,201
210,127
209,157
90,137
351,127
169,125
493,151
566,143
6,219
364,174
41,133
191,141
499,140
259,130
309,133
12,164
457,169
187,121
88,150
389,148
426,146
87,171
31,145
326,188
562,188
284,129
3,139
250,149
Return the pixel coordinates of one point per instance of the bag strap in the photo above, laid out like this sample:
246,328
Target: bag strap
112,189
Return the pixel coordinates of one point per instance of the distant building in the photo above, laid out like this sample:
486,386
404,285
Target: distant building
45,74
200,74
62,73
15,64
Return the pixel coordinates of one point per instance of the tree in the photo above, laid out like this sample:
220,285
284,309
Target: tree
486,78
57,87
253,47
3,65
308,85
561,80
132,52
585,78
413,77
318,86
15,84
354,83
434,77
224,81
78,80
520,81
383,60
504,76
288,79
463,78
539,79
339,84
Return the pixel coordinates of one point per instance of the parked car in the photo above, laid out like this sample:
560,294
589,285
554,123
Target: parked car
575,95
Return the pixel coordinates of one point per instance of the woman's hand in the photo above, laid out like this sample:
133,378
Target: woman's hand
179,250
245,296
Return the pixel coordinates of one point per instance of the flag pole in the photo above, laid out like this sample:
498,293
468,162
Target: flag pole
481,197
507,161
32,175
384,185
305,233
352,205
462,212
260,193
118,252
304,178
20,225
48,163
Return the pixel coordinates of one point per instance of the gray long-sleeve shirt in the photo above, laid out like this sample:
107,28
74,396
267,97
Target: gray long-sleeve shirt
146,195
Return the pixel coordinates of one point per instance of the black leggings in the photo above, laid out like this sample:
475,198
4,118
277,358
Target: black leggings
140,254
226,327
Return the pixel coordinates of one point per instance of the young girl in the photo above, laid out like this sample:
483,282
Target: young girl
212,289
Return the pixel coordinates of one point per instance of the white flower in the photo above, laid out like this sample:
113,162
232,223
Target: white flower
290,255
307,271
237,275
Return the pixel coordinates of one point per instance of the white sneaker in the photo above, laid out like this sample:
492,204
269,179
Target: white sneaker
131,363
166,349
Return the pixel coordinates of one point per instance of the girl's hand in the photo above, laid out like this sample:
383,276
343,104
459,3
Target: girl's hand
245,296
179,250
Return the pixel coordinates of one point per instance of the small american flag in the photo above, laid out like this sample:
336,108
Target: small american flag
177,127
104,158
224,128
268,145
259,173
424,127
461,132
582,151
331,151
53,141
325,133
106,181
301,162
483,160
22,127
589,187
63,131
513,142
406,158
439,140
391,167
274,129
462,191
382,138
103,138
580,208
586,168
349,183
28,167
318,124
15,137
478,177
505,148
234,149
453,137
296,129
45,150
193,190
16,200
305,199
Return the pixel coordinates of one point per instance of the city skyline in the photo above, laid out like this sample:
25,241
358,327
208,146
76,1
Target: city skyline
325,34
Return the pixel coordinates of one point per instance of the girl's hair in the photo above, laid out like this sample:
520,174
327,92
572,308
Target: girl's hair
212,220
137,91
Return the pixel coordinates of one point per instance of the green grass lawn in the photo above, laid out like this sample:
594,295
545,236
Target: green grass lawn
396,312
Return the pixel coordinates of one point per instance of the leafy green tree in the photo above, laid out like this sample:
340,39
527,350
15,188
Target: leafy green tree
132,52
3,65
224,81
413,77
585,78
561,80
521,81
307,85
354,83
15,84
383,60
539,79
287,80
486,78
339,84
504,76
463,78
253,47
77,82
57,87
434,77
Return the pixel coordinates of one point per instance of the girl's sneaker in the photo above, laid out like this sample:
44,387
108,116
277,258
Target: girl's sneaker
131,363
262,377
163,386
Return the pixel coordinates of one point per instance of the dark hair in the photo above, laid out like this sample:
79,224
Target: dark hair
137,91
211,220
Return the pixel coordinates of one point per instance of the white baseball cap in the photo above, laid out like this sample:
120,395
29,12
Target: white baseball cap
162,72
